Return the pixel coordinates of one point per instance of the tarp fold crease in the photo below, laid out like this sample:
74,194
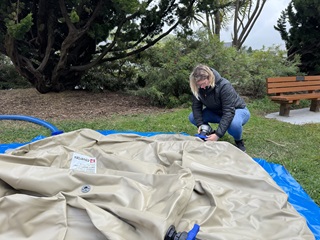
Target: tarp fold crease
141,186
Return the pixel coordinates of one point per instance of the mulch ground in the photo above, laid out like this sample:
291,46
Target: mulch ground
77,105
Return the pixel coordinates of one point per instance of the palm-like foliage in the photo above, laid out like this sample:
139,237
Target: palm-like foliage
246,15
214,15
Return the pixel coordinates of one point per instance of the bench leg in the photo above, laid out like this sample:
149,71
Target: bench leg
315,105
284,109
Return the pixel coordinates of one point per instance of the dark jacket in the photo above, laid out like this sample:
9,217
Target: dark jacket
222,99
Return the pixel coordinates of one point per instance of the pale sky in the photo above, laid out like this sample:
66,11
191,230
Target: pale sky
263,32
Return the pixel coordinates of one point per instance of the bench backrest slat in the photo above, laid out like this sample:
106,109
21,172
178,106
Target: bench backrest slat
292,84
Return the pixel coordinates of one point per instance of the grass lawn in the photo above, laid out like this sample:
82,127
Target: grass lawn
296,147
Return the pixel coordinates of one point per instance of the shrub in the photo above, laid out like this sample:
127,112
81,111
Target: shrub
116,76
165,68
9,77
259,65
161,73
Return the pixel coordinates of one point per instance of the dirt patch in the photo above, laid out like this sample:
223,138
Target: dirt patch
77,105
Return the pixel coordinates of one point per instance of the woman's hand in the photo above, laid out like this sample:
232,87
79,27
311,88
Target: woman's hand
212,137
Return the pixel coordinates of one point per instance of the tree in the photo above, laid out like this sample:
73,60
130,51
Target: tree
302,39
213,15
246,13
219,13
53,43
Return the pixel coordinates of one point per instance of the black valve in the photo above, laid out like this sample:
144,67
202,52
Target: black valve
172,234
205,131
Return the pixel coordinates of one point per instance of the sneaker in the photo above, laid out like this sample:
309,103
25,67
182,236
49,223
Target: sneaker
240,145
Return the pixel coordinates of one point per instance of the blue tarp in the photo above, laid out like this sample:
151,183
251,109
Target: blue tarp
297,197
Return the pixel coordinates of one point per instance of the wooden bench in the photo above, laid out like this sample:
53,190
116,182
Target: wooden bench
290,90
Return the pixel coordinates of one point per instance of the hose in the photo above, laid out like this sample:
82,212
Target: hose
53,129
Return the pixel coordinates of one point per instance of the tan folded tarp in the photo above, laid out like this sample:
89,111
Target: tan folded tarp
84,185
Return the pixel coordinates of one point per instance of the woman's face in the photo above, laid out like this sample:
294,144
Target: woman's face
201,76
203,83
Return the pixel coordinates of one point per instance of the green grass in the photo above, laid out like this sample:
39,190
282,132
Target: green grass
296,147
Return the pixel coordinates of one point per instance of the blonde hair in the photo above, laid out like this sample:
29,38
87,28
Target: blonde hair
200,72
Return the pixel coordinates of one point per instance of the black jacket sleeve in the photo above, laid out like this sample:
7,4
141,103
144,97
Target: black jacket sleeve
228,96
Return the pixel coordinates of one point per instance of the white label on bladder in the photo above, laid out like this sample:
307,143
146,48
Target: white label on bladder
83,163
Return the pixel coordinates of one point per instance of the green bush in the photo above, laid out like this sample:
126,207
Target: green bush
115,76
256,66
161,73
9,77
165,68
